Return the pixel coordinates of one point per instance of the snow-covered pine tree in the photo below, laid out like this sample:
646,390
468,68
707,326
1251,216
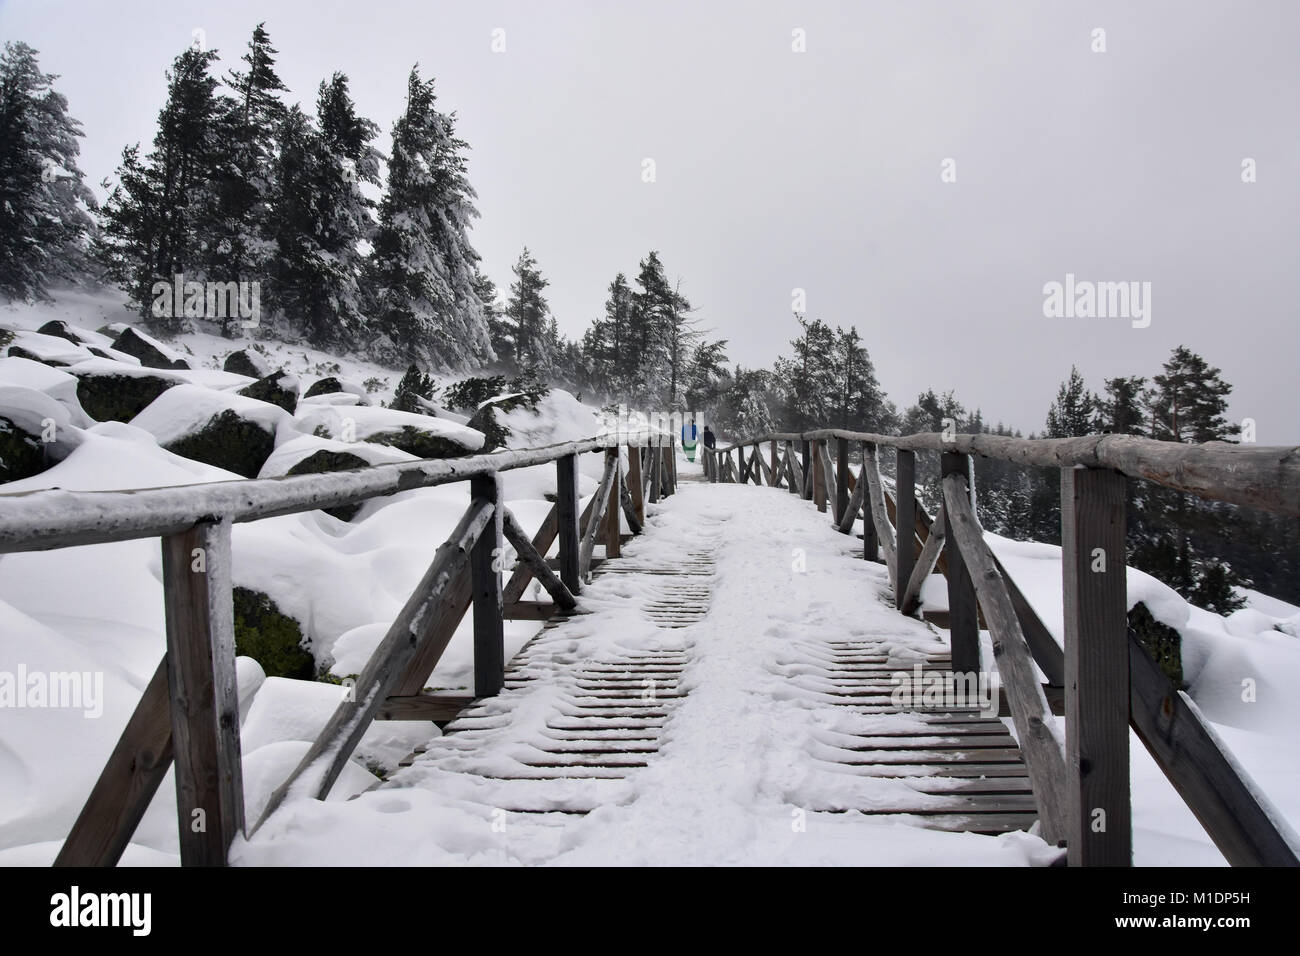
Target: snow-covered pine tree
808,378
45,220
858,403
529,314
320,217
423,302
239,225
499,328
153,224
706,376
605,342
642,362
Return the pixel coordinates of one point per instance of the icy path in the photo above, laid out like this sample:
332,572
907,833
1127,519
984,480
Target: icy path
730,747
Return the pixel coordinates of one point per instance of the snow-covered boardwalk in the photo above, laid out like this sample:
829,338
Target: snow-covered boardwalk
724,696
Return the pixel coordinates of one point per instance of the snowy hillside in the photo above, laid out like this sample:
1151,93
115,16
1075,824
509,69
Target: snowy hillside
100,608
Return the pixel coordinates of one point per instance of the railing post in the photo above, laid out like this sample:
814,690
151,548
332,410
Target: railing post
1096,667
905,517
773,479
634,485
613,546
963,613
805,454
200,614
655,464
870,544
819,480
566,516
841,478
485,583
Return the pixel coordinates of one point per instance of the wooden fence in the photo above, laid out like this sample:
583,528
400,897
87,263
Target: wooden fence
188,715
1105,678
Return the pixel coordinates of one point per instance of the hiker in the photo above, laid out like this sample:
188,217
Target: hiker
709,440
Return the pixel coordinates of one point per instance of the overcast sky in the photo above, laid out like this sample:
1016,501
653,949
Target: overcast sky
821,170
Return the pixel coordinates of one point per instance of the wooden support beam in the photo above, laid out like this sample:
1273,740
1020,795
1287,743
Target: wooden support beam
923,567
841,478
1100,829
127,783
905,517
197,596
423,627
528,555
530,611
613,546
1044,756
828,479
774,476
818,479
634,486
962,609
522,575
598,514
1245,827
794,470
485,587
809,468
854,505
875,495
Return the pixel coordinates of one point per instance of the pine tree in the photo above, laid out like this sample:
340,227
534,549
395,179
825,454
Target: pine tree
320,217
809,376
528,314
645,366
1120,411
239,224
1180,537
421,274
45,223
1073,414
499,328
153,224
705,376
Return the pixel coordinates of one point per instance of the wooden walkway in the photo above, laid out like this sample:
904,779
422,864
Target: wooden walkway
608,714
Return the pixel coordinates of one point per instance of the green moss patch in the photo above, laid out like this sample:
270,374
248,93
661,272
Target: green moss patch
270,637
230,442
1162,642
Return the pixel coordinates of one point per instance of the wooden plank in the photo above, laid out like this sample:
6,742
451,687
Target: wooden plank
876,501
485,591
439,708
905,519
529,556
1246,828
127,783
774,476
809,467
852,508
1047,652
430,612
530,611
1030,710
656,474
450,610
765,478
963,614
1096,667
204,698
870,543
924,566
841,478
613,546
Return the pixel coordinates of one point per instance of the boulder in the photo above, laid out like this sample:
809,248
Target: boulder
35,432
1162,642
148,350
248,362
325,461
21,454
61,329
112,392
221,429
278,388
269,636
324,386
418,435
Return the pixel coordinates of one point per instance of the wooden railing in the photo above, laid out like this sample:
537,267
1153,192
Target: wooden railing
188,714
1103,674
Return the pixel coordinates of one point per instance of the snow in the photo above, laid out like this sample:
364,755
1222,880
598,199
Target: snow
364,421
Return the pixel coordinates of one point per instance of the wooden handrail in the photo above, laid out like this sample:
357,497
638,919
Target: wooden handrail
1257,476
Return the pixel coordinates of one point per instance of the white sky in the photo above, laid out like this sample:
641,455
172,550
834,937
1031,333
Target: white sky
821,170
